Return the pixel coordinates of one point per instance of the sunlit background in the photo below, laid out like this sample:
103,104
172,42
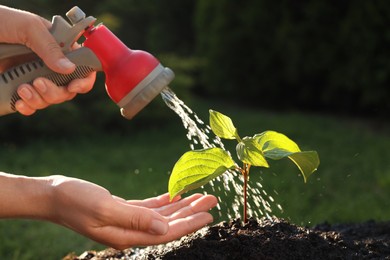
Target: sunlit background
317,71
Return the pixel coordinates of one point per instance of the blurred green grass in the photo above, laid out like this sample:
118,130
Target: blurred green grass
352,183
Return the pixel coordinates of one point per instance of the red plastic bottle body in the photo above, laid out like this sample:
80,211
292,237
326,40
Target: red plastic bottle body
124,68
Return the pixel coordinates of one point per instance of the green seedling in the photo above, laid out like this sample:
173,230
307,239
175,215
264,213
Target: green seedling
196,168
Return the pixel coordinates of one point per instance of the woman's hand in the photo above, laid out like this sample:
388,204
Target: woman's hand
92,211
43,93
31,30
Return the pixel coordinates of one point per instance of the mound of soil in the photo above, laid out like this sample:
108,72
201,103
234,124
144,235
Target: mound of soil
266,239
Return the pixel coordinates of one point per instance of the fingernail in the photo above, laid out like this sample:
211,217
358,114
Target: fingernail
65,64
25,93
74,88
158,227
40,85
19,105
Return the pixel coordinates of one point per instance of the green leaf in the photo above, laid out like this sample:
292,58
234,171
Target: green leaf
276,146
249,151
196,168
222,125
307,162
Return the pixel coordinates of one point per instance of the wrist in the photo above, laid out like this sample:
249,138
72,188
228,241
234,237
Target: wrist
25,197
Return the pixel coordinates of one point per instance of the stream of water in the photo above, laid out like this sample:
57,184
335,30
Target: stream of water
229,186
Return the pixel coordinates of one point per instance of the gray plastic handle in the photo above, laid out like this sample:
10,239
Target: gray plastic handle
66,35
85,60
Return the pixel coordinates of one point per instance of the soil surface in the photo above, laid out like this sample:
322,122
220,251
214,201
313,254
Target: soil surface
266,239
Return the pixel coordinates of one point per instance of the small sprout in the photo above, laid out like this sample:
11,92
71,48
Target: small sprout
196,168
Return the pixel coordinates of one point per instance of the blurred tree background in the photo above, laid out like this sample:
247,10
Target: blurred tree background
318,55
261,61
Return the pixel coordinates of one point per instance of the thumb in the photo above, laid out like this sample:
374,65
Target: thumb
22,27
45,46
139,218
54,58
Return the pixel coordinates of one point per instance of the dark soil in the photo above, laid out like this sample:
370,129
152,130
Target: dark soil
267,239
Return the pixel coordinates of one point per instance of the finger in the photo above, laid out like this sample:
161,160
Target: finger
121,239
155,202
50,92
82,85
173,207
202,204
187,225
31,97
151,202
119,199
23,108
132,217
